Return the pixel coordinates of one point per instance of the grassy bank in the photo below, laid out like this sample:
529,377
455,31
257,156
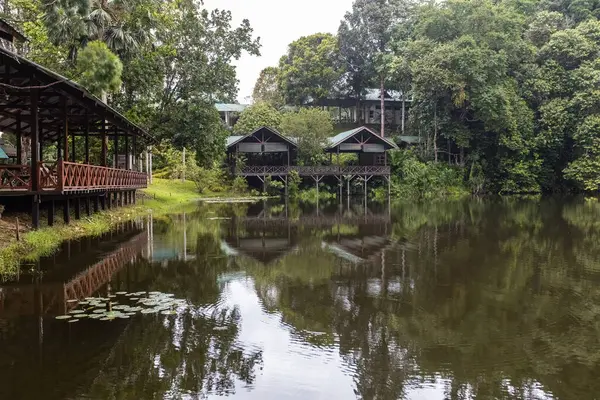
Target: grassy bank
162,197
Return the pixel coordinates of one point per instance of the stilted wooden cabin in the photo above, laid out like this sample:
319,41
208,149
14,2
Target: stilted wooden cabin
269,153
55,122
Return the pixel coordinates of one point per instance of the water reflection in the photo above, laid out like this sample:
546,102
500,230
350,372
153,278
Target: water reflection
450,300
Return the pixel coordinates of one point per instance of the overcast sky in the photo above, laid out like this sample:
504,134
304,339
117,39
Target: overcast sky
278,22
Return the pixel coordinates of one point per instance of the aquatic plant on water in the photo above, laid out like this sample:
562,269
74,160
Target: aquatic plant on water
124,305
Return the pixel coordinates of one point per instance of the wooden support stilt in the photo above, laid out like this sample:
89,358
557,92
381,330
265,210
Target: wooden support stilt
35,157
51,212
66,212
103,202
77,205
96,204
87,206
133,195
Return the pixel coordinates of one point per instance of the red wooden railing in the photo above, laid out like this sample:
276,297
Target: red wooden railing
75,177
14,177
65,176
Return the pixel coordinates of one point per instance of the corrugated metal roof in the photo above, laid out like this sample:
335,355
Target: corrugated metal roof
343,136
222,107
410,139
340,137
231,140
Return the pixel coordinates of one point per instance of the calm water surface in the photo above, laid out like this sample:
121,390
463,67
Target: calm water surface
475,300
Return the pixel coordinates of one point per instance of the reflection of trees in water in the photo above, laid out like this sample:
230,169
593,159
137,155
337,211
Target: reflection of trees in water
496,298
194,352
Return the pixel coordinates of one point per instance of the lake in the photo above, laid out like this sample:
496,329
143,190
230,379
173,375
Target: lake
485,299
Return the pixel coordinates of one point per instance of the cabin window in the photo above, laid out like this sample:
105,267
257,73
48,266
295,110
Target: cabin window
371,114
380,159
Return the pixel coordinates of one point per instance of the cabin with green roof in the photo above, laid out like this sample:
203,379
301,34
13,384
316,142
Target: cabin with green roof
268,153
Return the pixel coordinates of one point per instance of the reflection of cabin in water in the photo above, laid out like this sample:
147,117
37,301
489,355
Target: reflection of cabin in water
266,152
266,238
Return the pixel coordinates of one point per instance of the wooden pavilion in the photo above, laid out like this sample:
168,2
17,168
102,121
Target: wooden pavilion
55,122
269,153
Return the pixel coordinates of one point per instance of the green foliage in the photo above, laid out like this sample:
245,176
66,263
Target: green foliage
311,69
239,185
266,89
311,127
256,116
294,181
99,69
414,179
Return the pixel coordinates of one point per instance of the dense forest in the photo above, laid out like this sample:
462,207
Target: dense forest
507,91
504,95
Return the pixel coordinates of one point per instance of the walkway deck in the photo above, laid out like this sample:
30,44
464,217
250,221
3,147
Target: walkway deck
320,170
68,177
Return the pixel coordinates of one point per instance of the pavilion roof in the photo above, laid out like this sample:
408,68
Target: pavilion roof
233,140
57,95
343,136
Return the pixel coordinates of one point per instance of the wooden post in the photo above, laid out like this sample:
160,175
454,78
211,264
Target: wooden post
104,139
73,155
96,204
127,153
134,200
150,170
18,228
133,150
103,202
66,212
77,208
19,141
87,139
88,206
107,201
116,145
35,156
51,212
65,136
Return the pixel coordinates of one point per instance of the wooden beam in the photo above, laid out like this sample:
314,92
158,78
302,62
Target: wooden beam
65,132
19,141
87,141
104,145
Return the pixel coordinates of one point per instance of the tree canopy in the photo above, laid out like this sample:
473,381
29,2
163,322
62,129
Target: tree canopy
256,116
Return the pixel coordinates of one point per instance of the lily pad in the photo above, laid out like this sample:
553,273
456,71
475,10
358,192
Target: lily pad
121,293
168,312
73,320
99,311
63,317
72,301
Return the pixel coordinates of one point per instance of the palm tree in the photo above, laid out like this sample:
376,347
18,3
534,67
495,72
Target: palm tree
74,23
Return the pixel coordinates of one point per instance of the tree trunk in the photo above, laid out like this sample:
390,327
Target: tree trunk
435,155
382,94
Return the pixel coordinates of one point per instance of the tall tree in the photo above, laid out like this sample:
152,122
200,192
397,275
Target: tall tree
365,37
310,71
311,127
256,116
266,89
